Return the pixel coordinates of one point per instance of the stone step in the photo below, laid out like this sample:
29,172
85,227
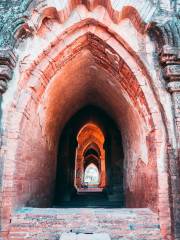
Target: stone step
92,199
89,204
44,224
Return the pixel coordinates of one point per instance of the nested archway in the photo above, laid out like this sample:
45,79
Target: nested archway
93,154
92,149
88,70
90,139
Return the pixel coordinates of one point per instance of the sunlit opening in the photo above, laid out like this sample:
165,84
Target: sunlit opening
91,175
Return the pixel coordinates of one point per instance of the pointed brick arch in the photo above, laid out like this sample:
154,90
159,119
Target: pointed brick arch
123,89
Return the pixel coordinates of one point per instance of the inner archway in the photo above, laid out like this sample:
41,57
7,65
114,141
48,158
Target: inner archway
91,176
90,149
90,161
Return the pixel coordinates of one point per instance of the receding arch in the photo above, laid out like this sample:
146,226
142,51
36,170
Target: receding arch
90,124
90,137
92,149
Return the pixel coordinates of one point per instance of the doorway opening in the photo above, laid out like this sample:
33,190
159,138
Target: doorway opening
90,162
91,176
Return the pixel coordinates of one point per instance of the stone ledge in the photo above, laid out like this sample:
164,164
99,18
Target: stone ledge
170,54
172,72
7,63
7,57
173,87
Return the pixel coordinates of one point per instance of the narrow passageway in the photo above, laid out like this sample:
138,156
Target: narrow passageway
90,162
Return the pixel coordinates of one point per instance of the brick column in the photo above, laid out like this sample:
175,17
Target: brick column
170,59
7,64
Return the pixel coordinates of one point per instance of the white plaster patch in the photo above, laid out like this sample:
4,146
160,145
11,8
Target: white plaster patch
12,86
81,236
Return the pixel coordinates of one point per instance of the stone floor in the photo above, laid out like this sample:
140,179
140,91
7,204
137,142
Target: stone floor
51,224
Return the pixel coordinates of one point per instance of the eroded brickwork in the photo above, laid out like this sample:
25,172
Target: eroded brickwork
58,56
49,224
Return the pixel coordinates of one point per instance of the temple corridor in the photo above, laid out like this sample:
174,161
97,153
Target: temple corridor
91,140
89,120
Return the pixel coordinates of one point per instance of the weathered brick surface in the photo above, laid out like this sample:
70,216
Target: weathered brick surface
41,224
